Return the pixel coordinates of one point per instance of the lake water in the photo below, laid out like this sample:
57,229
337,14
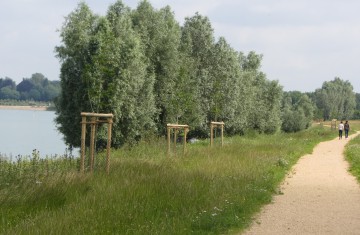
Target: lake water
22,131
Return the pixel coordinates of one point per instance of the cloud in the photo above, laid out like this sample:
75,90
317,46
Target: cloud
303,43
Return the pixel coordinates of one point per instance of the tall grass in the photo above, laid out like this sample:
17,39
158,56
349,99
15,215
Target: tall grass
204,191
352,151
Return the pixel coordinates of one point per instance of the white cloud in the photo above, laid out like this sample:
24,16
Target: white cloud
304,43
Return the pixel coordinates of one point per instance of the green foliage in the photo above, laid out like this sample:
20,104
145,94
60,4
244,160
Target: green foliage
147,70
335,99
206,191
104,70
357,108
6,93
36,88
297,111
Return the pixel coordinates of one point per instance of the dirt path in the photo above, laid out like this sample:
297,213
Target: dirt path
319,197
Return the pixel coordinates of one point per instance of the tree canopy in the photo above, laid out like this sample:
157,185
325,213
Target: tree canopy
36,88
149,70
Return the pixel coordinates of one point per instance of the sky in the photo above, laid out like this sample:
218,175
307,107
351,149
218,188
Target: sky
303,42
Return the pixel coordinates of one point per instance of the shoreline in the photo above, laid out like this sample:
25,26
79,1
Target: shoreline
24,107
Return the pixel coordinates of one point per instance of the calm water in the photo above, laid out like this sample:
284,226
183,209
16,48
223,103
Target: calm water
21,131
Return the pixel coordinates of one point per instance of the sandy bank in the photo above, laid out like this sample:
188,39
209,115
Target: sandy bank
34,108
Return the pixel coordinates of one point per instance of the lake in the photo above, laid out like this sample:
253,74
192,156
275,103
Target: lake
22,131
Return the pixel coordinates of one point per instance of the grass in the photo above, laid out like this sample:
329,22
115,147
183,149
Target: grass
205,191
352,152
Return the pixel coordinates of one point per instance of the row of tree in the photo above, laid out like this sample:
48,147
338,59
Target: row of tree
147,70
36,88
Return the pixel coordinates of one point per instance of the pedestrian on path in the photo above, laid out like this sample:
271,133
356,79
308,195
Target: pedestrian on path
341,128
346,128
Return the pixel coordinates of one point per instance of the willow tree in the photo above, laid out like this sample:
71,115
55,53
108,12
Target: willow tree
225,72
265,97
197,43
110,77
74,55
160,36
336,99
297,111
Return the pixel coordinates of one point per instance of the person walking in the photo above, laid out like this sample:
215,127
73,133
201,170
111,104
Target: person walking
341,128
346,128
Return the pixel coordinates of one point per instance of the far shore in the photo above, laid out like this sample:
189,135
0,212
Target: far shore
17,107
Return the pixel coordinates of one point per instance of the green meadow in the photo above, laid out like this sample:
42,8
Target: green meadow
207,190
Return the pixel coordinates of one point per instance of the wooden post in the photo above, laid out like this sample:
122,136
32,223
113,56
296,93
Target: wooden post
211,134
175,132
108,146
222,135
168,140
185,133
93,123
92,142
83,136
212,124
175,127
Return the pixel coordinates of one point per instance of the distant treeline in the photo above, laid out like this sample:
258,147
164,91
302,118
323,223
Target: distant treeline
148,70
35,88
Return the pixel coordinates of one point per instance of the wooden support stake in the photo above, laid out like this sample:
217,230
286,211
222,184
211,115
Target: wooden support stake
168,140
211,134
83,136
93,124
108,145
222,135
175,132
175,127
185,133
92,142
215,124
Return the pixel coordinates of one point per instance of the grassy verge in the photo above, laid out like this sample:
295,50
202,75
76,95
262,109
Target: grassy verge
206,191
352,152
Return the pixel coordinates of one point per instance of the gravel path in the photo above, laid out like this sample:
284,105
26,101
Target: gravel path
319,197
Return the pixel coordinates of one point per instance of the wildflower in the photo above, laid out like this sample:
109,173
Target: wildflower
217,209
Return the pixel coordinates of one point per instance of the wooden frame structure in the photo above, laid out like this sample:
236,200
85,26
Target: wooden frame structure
333,124
216,124
175,127
94,120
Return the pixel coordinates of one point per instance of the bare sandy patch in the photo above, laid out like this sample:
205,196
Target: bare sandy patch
34,108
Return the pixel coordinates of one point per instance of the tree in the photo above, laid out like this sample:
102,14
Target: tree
104,70
147,70
224,73
357,108
7,92
197,43
263,96
7,82
297,111
74,54
160,37
336,98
